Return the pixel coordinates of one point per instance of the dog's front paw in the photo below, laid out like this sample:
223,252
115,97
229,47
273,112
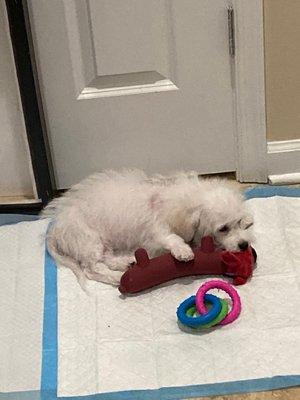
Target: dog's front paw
183,253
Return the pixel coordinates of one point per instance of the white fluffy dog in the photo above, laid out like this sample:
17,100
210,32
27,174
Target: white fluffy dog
100,222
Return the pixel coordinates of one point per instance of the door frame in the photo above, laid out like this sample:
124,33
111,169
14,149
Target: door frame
249,98
35,127
250,105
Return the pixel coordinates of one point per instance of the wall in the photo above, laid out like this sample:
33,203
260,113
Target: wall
14,162
282,63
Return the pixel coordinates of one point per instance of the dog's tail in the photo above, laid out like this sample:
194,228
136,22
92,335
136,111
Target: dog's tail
65,260
82,274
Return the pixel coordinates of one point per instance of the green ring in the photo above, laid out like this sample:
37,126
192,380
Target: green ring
224,311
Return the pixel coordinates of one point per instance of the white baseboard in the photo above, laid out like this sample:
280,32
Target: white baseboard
282,146
283,158
4,200
284,179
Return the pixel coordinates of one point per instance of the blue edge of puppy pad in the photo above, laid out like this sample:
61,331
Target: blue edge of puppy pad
48,389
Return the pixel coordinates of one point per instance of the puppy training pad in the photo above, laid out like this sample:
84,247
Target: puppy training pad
64,343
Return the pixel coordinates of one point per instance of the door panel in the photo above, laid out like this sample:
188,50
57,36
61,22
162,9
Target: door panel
135,83
134,39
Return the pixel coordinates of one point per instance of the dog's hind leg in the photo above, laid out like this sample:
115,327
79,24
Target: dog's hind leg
102,273
119,262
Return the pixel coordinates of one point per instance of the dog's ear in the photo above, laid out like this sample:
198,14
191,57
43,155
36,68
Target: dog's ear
198,217
195,213
199,221
246,221
186,223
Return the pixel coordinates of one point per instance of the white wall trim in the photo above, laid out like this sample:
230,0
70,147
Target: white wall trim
283,159
250,92
285,179
282,146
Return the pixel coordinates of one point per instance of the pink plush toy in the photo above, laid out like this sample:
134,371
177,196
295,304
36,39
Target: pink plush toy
147,273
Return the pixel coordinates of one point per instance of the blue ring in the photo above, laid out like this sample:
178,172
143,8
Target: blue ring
203,319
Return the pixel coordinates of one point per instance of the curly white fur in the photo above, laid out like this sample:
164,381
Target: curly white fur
100,222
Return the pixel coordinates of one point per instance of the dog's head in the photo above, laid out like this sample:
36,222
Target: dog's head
224,216
234,234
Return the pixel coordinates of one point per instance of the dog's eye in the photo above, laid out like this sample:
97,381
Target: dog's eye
224,228
244,225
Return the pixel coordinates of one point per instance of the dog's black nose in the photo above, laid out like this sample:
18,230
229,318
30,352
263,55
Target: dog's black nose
243,245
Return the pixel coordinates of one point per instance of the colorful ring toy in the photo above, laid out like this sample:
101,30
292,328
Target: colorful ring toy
217,284
224,310
204,318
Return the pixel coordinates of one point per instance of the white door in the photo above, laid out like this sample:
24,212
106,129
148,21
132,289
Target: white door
135,83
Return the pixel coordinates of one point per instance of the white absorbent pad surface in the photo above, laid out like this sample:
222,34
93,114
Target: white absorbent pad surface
109,343
22,254
132,348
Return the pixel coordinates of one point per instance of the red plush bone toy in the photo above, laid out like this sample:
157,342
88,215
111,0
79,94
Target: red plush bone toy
147,273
